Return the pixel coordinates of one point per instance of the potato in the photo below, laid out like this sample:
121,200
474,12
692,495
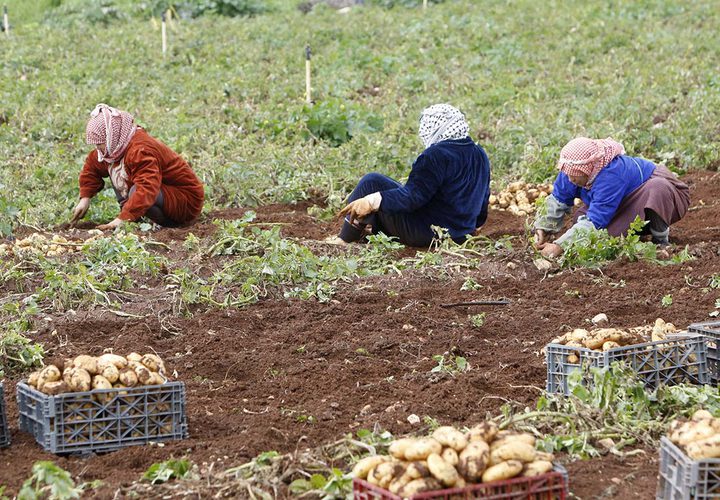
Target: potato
543,455
695,432
399,483
55,387
511,436
609,345
364,466
578,335
598,337
450,437
143,374
417,470
513,450
382,474
420,449
700,415
484,431
704,448
87,363
473,460
441,470
133,356
153,363
503,470
450,456
419,486
117,361
33,379
111,373
536,468
128,377
397,448
78,379
573,359
48,374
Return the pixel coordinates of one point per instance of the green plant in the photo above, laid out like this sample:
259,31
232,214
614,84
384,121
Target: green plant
714,281
470,284
48,481
336,122
667,300
477,320
450,364
162,472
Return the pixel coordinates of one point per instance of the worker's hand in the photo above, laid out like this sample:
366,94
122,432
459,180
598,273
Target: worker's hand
80,210
541,237
551,250
115,223
357,209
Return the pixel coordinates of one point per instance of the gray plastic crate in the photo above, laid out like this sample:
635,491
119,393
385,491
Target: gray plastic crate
711,331
77,423
4,431
676,360
684,479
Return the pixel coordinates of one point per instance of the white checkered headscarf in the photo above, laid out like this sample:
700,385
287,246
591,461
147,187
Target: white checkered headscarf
442,122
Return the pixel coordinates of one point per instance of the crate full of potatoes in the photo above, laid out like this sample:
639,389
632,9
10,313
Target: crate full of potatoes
4,431
482,463
95,404
658,354
690,459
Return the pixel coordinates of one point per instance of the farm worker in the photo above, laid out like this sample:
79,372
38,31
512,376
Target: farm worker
148,177
448,187
615,189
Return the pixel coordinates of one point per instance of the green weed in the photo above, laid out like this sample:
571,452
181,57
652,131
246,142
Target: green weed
49,481
162,472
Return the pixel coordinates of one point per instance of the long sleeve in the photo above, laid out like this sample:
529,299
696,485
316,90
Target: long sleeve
422,184
579,229
147,180
482,216
553,217
607,194
91,177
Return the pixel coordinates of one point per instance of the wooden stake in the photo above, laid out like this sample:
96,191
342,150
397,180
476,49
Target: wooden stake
6,21
164,35
425,2
308,87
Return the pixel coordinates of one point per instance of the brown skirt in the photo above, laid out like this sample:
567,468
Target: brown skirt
663,193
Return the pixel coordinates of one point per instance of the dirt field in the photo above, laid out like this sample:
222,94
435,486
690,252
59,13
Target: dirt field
363,359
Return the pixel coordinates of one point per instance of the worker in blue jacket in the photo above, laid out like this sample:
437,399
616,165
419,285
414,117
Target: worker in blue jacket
615,189
448,187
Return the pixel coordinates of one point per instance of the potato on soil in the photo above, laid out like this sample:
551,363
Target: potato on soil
364,466
503,470
513,450
450,437
450,456
473,460
419,486
441,470
87,363
422,448
536,468
484,431
54,388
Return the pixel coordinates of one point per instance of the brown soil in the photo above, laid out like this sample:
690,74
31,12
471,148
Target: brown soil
255,375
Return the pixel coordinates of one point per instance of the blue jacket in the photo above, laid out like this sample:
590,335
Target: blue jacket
622,176
448,186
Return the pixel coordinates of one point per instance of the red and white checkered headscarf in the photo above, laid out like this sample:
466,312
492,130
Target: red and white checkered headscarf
588,156
111,127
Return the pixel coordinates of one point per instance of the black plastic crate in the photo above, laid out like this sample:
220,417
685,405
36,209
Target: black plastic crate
4,431
678,359
78,423
682,478
711,331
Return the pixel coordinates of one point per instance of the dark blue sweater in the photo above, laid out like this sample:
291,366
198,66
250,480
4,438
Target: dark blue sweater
448,186
623,175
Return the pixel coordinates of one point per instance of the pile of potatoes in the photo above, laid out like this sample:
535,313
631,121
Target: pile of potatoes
85,373
450,458
38,244
604,339
519,198
699,437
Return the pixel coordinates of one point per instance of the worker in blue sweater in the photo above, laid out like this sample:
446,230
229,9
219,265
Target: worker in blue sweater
448,187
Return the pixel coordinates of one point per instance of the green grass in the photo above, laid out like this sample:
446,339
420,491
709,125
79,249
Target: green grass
229,95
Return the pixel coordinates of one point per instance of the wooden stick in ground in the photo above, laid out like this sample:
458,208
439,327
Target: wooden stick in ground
502,302
6,21
308,87
425,2
164,35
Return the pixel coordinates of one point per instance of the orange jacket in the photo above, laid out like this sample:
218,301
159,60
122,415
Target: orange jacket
150,166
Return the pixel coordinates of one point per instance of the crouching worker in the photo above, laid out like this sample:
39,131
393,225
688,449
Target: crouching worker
615,189
448,186
148,177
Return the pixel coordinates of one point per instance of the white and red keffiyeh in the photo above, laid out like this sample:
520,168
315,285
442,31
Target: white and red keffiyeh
442,122
113,128
588,156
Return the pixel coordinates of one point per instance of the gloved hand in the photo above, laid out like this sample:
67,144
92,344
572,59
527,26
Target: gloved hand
362,207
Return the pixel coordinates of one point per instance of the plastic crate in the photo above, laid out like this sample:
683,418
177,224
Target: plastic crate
550,486
684,479
711,331
4,431
678,359
77,423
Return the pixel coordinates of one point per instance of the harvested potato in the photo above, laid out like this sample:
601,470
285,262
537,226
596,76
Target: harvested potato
441,470
536,468
397,448
112,359
484,431
700,415
364,466
609,345
133,356
695,432
503,470
55,387
144,375
512,437
450,456
87,363
383,473
473,460
78,379
450,437
419,486
422,448
156,379
543,455
99,383
128,377
513,450
48,374
111,373
33,379
399,483
153,363
417,470
704,448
